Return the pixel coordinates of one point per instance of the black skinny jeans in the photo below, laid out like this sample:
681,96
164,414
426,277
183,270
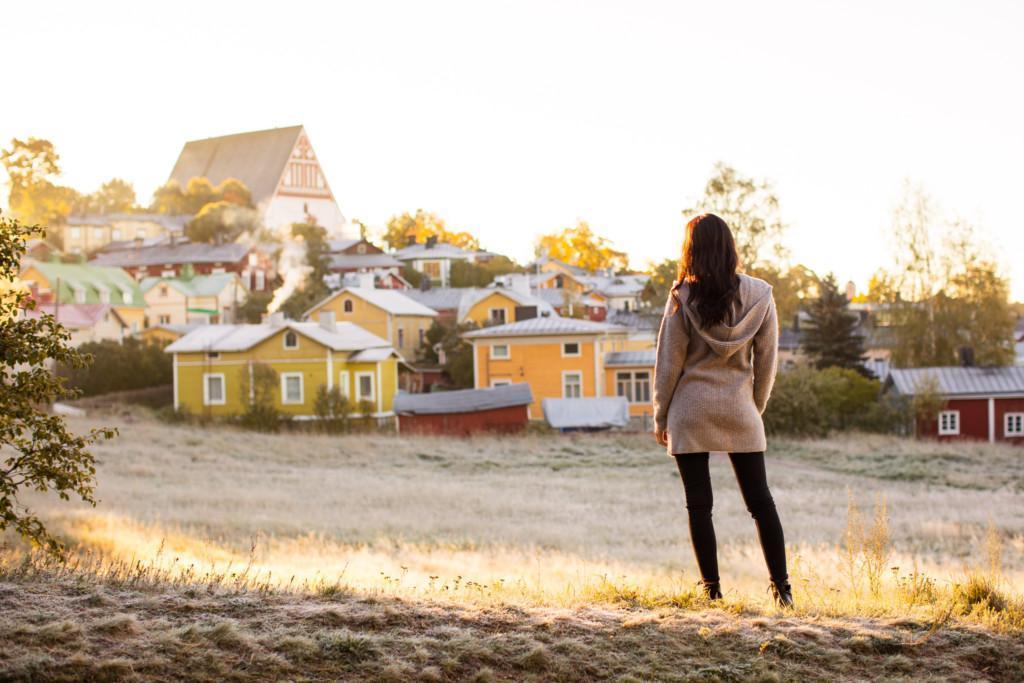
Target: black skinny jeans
749,468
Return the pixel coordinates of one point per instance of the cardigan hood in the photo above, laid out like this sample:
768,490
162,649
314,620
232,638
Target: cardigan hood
742,322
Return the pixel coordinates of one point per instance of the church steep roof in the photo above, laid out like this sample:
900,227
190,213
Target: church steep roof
257,158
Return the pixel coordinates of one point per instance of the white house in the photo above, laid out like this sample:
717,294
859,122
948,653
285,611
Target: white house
278,166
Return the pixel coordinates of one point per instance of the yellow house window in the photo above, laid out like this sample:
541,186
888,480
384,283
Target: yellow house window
291,340
499,352
343,383
291,388
213,389
364,386
634,386
571,350
497,316
572,384
347,306
432,269
401,337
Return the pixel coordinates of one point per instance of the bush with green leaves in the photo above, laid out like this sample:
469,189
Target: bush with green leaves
132,364
38,452
332,409
257,385
811,402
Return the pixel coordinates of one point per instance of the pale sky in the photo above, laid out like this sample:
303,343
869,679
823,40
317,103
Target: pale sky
514,118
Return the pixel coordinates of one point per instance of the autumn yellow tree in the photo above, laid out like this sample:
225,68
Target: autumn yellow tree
580,246
421,225
32,166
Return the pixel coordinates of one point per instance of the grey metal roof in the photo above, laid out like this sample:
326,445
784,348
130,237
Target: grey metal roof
624,358
438,298
463,400
961,381
182,252
175,222
356,261
649,322
544,326
256,158
440,250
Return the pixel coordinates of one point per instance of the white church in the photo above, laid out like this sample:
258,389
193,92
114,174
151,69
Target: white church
278,166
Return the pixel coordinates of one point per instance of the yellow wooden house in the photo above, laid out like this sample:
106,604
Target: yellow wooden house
387,313
499,306
630,374
213,366
84,283
210,298
558,357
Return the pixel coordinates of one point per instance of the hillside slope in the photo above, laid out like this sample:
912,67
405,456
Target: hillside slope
71,628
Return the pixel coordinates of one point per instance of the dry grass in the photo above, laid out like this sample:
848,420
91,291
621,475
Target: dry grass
554,558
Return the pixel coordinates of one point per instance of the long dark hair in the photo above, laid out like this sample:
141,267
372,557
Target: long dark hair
708,266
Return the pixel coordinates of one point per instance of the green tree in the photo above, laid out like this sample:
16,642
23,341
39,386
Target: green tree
422,225
198,193
332,409
444,346
38,452
580,246
751,208
466,274
254,308
222,222
169,199
663,277
257,386
312,288
830,338
114,196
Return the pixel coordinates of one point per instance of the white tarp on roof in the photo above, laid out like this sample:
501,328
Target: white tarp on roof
586,413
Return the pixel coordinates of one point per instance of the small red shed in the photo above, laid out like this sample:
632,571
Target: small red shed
465,411
980,403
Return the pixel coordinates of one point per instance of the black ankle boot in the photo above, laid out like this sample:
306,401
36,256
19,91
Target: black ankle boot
782,594
712,589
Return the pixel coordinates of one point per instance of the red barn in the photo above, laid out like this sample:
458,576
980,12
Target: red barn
465,411
979,403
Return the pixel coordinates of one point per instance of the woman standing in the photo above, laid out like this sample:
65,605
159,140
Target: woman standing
715,367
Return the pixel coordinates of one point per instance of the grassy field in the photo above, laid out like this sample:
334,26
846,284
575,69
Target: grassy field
220,554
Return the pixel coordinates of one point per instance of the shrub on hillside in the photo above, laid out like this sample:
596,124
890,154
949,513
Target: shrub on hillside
332,409
119,367
810,402
257,387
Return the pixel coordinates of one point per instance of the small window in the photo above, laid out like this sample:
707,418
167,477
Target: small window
497,316
1013,424
347,306
361,249
291,340
343,383
401,337
163,290
364,386
127,297
572,385
423,335
213,389
79,296
291,388
212,355
571,349
949,422
499,352
104,296
165,319
260,281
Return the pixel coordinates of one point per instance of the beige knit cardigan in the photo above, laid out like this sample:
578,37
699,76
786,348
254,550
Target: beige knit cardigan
711,385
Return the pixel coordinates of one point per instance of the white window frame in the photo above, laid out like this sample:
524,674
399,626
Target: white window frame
1008,420
496,356
284,340
285,376
79,295
500,382
632,384
493,320
164,319
343,384
579,350
566,374
207,376
951,418
347,306
359,387
260,281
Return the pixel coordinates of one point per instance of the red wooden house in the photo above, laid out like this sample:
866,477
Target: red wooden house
465,411
984,404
